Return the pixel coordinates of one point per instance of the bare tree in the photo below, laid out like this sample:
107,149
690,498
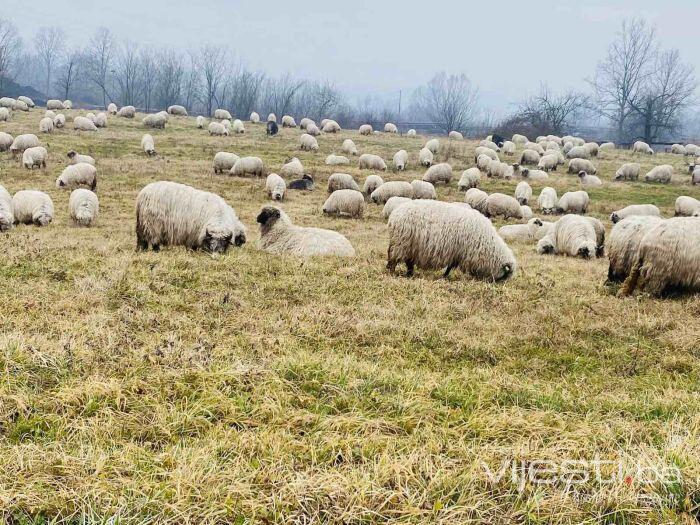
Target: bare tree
325,98
280,93
10,47
147,78
68,71
49,43
244,94
100,53
212,64
127,70
191,82
449,101
549,113
169,81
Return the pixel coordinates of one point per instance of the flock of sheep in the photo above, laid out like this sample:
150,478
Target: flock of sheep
646,252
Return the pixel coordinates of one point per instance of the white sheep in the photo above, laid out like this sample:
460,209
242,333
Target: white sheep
155,120
304,123
32,207
5,115
392,204
237,126
686,206
438,173
365,129
607,146
534,230
341,181
84,207
336,160
423,190
271,118
592,148
288,121
308,142
499,204
578,152
534,147
201,122
84,124
490,145
74,158
34,157
221,114
678,149
217,129
629,171
692,150
642,147
394,188
6,141
255,118
500,170
20,106
579,165
483,163
548,200
433,145
275,186
224,161
349,147
635,210
100,120
589,181
470,179
67,104
59,121
476,198
455,135
369,161
574,236
7,213
46,125
54,104
411,133
573,202
529,157
345,203
661,174
390,128
112,108
28,101
695,175
534,175
372,182
425,157
548,162
509,148
126,112
293,168
520,139
168,213
401,159
312,129
248,167
523,193
485,151
330,127
81,175
177,110
623,244
23,142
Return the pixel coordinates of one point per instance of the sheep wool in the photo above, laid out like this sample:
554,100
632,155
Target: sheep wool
237,126
401,159
148,145
54,104
390,128
489,144
579,165
486,151
308,142
436,235
254,118
499,204
470,179
686,206
345,203
221,114
341,181
548,162
34,157
476,198
520,139
293,168
84,124
372,182
201,122
46,125
155,120
455,135
7,214
678,149
74,158
433,145
509,148
23,142
304,123
32,207
573,202
629,171
548,200
423,190
607,146
84,207
365,129
534,175
59,121
100,120
275,186
425,157
248,167
217,129
330,127
28,101
439,173
336,160
642,147
533,231
349,147
6,141
126,112
369,161
661,174
5,115
530,157
571,235
394,188
589,181
81,175
592,149
312,129
411,133
112,108
271,118
623,244
648,210
523,193
392,204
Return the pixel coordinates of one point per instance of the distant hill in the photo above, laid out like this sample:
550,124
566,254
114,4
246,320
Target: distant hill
14,90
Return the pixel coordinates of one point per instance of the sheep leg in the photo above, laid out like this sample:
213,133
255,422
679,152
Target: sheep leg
156,247
448,270
409,268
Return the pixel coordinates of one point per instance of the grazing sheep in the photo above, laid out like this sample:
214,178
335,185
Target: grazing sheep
7,214
330,127
84,207
579,165
32,207
59,121
365,129
695,175
635,210
275,187
148,145
237,126
477,199
573,202
437,235
345,203
126,112
369,161
607,146
395,188
20,106
392,204
100,120
74,158
667,259
23,142
529,157
485,151
401,159
523,193
470,179
308,142
84,124
221,114
336,160
112,108
81,175
692,149
623,244
686,206
642,147
306,183
179,111
574,236
255,118
589,181
280,237
629,171
390,128
312,129
425,157
433,145
578,152
248,166
678,149
34,157
293,168
224,161
661,174
217,129
548,163
509,148
520,139
46,125
91,117
500,170
548,200
592,149
201,122
423,190
490,145
67,104
28,101
168,213
156,120
526,212
535,147
534,175
372,182
288,121
503,205
341,181
533,231
483,163
54,104
272,129
411,133
456,135
272,118
568,146
304,123
438,173
349,147
6,141
5,115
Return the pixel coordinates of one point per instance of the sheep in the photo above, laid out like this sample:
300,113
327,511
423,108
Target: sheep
349,147
500,170
534,230
155,120
642,147
28,101
275,186
455,135
534,175
23,142
411,133
578,152
84,124
667,259
548,162
372,182
32,207
34,157
589,181
369,161
6,141
20,106
629,171
661,174
574,236
365,129
288,121
312,129
221,114
401,159
392,204
520,139
576,141
81,175
148,145
425,157
436,235
100,120
573,202
635,210
112,108
237,126
336,160
470,179
423,190
483,163
304,123
59,121
686,206
224,161
177,110
592,149
201,122
623,244
503,205
695,176
534,147
7,102
396,188
7,214
490,145
678,149
548,200
279,236
74,158
579,165
438,173
172,214
390,128
5,115
692,149
217,129
345,203
308,143
271,129
293,168
248,166
54,104
476,198
91,117
46,125
126,112
529,157
330,127
433,145
84,207
67,104
485,151
509,148
341,181
523,193
306,183
568,146
271,117
606,146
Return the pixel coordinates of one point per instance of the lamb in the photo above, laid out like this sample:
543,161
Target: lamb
280,237
369,161
46,125
23,142
345,203
5,115
177,110
365,129
485,151
288,122
224,161
548,200
341,181
271,118
436,235
306,183
372,182
530,157
148,145
548,163
330,127
523,193
275,187
168,213
255,118
425,157
293,168
573,202
32,207
401,159
221,114
477,199
534,175
336,160
629,171
455,135
390,128
84,207
439,173
392,204
534,230
589,181
578,152
7,214
54,104
81,175
623,244
308,142
509,148
579,165
678,149
112,108
661,174
349,147
648,210
607,146
411,133
59,121
155,120
423,190
74,158
686,206
6,141
667,259
217,129
126,112
248,166
34,157
395,188
642,147
572,235
433,145
470,179
28,101
503,205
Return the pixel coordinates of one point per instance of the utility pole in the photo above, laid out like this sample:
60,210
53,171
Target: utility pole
399,117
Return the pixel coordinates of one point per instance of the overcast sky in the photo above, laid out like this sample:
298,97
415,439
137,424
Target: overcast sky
381,46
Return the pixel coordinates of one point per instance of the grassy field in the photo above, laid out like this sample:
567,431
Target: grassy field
174,388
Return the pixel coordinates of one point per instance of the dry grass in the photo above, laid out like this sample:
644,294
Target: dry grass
172,388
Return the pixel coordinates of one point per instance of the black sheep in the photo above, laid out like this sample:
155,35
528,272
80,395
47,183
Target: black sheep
272,128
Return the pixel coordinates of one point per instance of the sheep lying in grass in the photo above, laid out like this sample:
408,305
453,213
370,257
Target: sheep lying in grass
523,193
275,187
425,157
629,171
308,142
74,158
534,175
623,244
437,235
573,202
293,168
34,157
635,210
423,190
32,207
533,231
306,183
477,199
81,175
148,145
84,207
572,235
686,206
401,159
395,188
392,204
345,203
248,167
470,179
589,181
224,161
23,142
642,147
578,165
438,173
7,214
336,160
369,161
172,214
372,182
661,174
499,204
548,200
280,237
341,181
349,147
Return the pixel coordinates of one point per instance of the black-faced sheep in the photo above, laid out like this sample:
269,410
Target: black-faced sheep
635,210
81,175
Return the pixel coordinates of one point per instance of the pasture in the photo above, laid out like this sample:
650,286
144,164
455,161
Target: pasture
172,387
